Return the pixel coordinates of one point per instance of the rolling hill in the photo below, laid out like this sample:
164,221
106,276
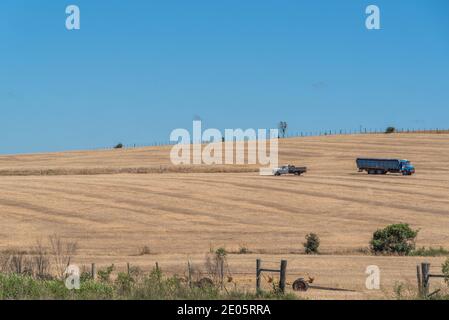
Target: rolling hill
98,199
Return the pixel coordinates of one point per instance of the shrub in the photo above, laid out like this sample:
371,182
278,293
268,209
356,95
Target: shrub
390,130
243,250
394,239
118,146
445,269
312,243
62,252
215,265
221,252
124,283
104,275
145,250
430,252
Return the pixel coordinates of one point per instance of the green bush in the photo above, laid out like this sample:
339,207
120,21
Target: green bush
124,283
394,239
104,275
312,243
221,252
244,250
390,130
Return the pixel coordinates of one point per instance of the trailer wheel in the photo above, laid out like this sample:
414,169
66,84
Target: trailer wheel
300,285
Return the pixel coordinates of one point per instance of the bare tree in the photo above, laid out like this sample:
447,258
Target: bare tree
40,260
282,126
215,265
62,253
5,258
17,262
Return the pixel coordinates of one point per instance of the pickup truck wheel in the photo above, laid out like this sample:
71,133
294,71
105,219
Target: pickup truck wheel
277,174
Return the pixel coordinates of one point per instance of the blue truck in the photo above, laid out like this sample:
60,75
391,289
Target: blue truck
383,166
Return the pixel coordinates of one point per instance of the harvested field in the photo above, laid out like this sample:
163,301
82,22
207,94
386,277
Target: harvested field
180,214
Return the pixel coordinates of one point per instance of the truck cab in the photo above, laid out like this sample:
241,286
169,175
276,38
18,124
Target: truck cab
280,171
407,168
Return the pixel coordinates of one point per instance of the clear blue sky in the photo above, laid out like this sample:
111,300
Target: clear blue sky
138,69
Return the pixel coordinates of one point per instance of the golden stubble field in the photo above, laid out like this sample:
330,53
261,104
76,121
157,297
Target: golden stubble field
180,216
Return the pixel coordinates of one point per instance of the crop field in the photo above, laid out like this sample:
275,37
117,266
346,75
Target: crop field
115,202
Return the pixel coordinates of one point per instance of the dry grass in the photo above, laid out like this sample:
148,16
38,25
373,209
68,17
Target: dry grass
182,215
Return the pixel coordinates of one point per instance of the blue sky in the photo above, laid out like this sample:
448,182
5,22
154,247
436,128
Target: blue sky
139,69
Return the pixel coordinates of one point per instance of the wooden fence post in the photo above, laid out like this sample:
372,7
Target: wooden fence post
425,270
93,271
283,275
258,267
128,268
189,273
419,280
222,272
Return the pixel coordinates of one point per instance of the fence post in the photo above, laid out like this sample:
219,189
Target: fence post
128,268
258,267
419,280
93,271
189,272
222,272
425,269
283,275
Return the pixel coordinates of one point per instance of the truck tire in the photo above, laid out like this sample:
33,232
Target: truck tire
277,174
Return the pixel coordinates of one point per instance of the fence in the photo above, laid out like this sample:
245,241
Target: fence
423,276
193,278
297,134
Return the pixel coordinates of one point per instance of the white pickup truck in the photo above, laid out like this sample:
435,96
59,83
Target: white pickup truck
289,169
